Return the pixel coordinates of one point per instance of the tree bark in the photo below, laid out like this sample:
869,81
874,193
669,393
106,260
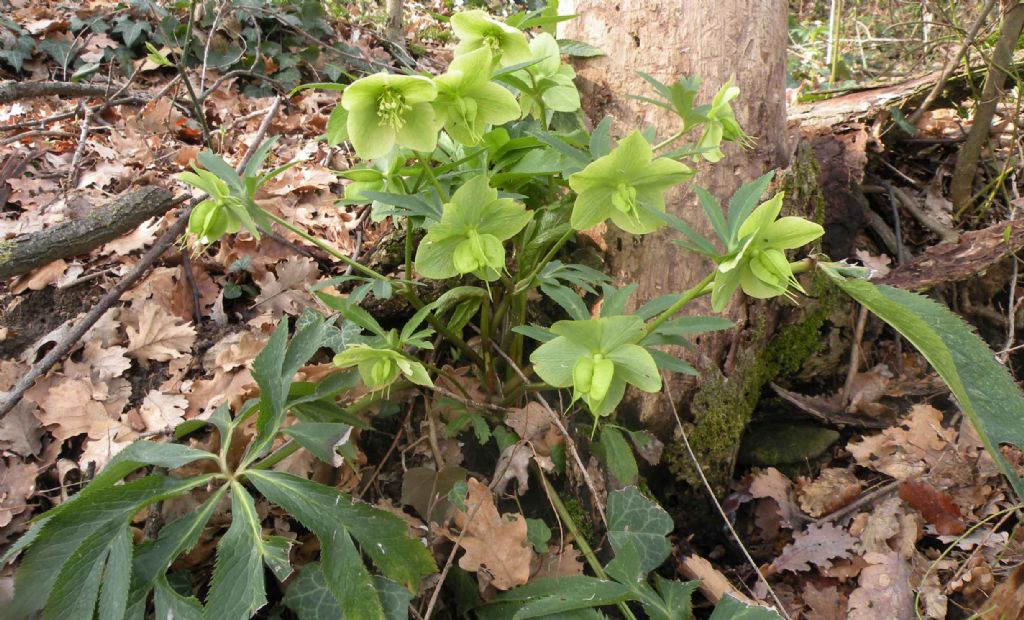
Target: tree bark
717,40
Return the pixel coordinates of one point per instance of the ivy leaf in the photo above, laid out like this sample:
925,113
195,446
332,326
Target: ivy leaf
635,521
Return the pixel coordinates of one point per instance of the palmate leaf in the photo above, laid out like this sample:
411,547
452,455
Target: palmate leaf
333,516
983,388
68,533
104,557
237,589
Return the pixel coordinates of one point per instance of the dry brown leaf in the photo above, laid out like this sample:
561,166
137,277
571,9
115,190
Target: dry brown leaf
713,584
884,589
161,411
98,452
133,241
20,431
833,489
496,546
936,507
907,450
105,363
1007,599
70,408
827,603
159,337
40,278
770,483
234,351
513,464
17,485
816,546
563,562
883,524
284,291
529,422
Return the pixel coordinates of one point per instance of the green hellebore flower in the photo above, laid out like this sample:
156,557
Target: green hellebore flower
476,29
386,109
467,100
597,358
469,237
379,367
760,266
552,78
720,124
625,185
210,220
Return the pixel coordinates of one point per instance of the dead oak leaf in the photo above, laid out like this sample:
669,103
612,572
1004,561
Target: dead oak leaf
817,546
495,544
160,336
884,589
69,407
160,411
910,449
17,485
284,291
830,491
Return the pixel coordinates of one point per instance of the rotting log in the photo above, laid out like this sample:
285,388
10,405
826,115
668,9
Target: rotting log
26,252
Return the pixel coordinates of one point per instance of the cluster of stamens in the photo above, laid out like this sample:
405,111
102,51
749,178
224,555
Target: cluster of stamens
391,109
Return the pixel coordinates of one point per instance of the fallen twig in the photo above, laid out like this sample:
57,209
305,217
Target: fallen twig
76,236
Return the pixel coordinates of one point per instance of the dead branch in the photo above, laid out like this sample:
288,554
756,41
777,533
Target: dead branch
13,91
975,252
26,252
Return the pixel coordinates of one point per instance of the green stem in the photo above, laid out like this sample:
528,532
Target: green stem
578,538
326,247
410,294
686,298
275,457
408,249
525,282
669,140
425,165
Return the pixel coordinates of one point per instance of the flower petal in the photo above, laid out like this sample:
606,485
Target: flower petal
592,207
420,130
369,138
788,233
554,361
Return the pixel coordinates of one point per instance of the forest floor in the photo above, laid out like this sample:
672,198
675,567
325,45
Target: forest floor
889,496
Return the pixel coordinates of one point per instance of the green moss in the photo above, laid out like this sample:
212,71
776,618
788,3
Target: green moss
722,407
6,249
582,518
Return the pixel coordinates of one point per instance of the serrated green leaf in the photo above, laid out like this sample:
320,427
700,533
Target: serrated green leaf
322,439
152,558
743,202
143,453
61,536
565,297
731,609
554,595
117,576
634,520
983,388
78,582
237,590
171,605
323,510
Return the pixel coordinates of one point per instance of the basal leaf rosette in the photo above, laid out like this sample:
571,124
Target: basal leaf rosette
627,185
552,78
476,29
469,237
380,367
467,100
760,266
720,124
597,358
386,109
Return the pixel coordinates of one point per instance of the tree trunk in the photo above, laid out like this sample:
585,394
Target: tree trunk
717,40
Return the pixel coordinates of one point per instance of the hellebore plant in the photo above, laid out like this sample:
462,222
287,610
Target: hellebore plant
476,29
597,358
380,367
757,262
626,185
549,78
468,101
469,237
386,109
720,124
